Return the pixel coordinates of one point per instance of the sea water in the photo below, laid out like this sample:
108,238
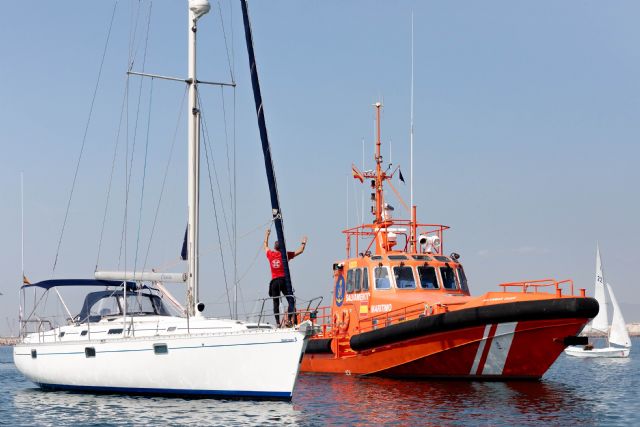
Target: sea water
573,392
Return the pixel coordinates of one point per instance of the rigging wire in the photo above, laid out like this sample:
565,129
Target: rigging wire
133,147
226,45
113,165
84,137
164,178
144,174
232,186
133,31
215,173
213,200
211,250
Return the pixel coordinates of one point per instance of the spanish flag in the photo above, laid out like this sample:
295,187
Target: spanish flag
356,173
25,281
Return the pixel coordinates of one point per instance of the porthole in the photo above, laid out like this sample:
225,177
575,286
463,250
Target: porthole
90,352
160,349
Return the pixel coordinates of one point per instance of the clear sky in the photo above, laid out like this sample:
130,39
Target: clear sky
526,135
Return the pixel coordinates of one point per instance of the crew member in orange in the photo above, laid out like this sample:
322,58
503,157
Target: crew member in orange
278,283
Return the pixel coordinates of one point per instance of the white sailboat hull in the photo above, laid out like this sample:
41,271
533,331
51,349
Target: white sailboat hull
249,364
579,351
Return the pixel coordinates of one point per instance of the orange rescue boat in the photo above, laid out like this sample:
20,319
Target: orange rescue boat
402,308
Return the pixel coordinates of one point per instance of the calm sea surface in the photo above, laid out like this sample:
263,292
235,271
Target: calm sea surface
573,392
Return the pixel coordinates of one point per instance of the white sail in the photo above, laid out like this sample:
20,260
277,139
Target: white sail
601,321
618,334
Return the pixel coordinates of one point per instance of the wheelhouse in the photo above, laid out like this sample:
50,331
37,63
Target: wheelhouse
403,273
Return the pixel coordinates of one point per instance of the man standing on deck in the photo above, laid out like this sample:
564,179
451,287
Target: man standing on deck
278,283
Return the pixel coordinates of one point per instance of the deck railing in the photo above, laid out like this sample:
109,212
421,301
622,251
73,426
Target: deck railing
536,285
328,325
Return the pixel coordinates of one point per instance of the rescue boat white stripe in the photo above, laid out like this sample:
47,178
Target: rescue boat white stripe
476,361
499,349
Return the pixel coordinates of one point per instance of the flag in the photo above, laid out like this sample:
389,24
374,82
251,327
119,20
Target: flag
356,173
401,177
183,252
25,281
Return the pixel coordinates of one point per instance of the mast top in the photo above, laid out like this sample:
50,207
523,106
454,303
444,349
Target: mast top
199,8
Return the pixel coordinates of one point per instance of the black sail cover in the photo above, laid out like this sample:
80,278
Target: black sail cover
266,150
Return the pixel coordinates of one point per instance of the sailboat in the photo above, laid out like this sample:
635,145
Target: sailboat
131,336
617,334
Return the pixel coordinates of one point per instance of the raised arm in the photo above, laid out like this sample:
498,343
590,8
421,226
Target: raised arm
266,240
302,246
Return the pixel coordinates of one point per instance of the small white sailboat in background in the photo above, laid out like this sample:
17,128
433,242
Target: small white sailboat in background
618,336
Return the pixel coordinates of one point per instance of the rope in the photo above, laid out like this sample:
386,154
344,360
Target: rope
84,137
167,266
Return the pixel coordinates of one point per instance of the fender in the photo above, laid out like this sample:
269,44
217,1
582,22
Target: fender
564,308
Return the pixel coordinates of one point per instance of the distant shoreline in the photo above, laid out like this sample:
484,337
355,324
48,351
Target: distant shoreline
8,341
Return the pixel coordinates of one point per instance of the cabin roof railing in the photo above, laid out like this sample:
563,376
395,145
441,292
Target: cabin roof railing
397,226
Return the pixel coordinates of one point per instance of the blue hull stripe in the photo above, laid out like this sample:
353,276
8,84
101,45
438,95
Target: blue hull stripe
172,391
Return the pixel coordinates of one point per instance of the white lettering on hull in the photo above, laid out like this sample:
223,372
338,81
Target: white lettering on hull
358,297
381,308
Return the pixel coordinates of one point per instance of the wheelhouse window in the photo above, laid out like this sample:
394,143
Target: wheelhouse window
365,279
404,277
358,284
350,280
381,276
463,279
428,279
448,278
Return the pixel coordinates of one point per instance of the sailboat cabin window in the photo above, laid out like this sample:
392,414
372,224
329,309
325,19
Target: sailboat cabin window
365,279
358,278
448,278
428,279
381,275
98,305
404,277
350,281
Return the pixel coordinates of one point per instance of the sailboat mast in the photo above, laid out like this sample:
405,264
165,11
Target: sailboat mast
197,8
266,149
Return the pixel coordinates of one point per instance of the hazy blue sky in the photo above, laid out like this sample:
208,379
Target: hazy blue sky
526,134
